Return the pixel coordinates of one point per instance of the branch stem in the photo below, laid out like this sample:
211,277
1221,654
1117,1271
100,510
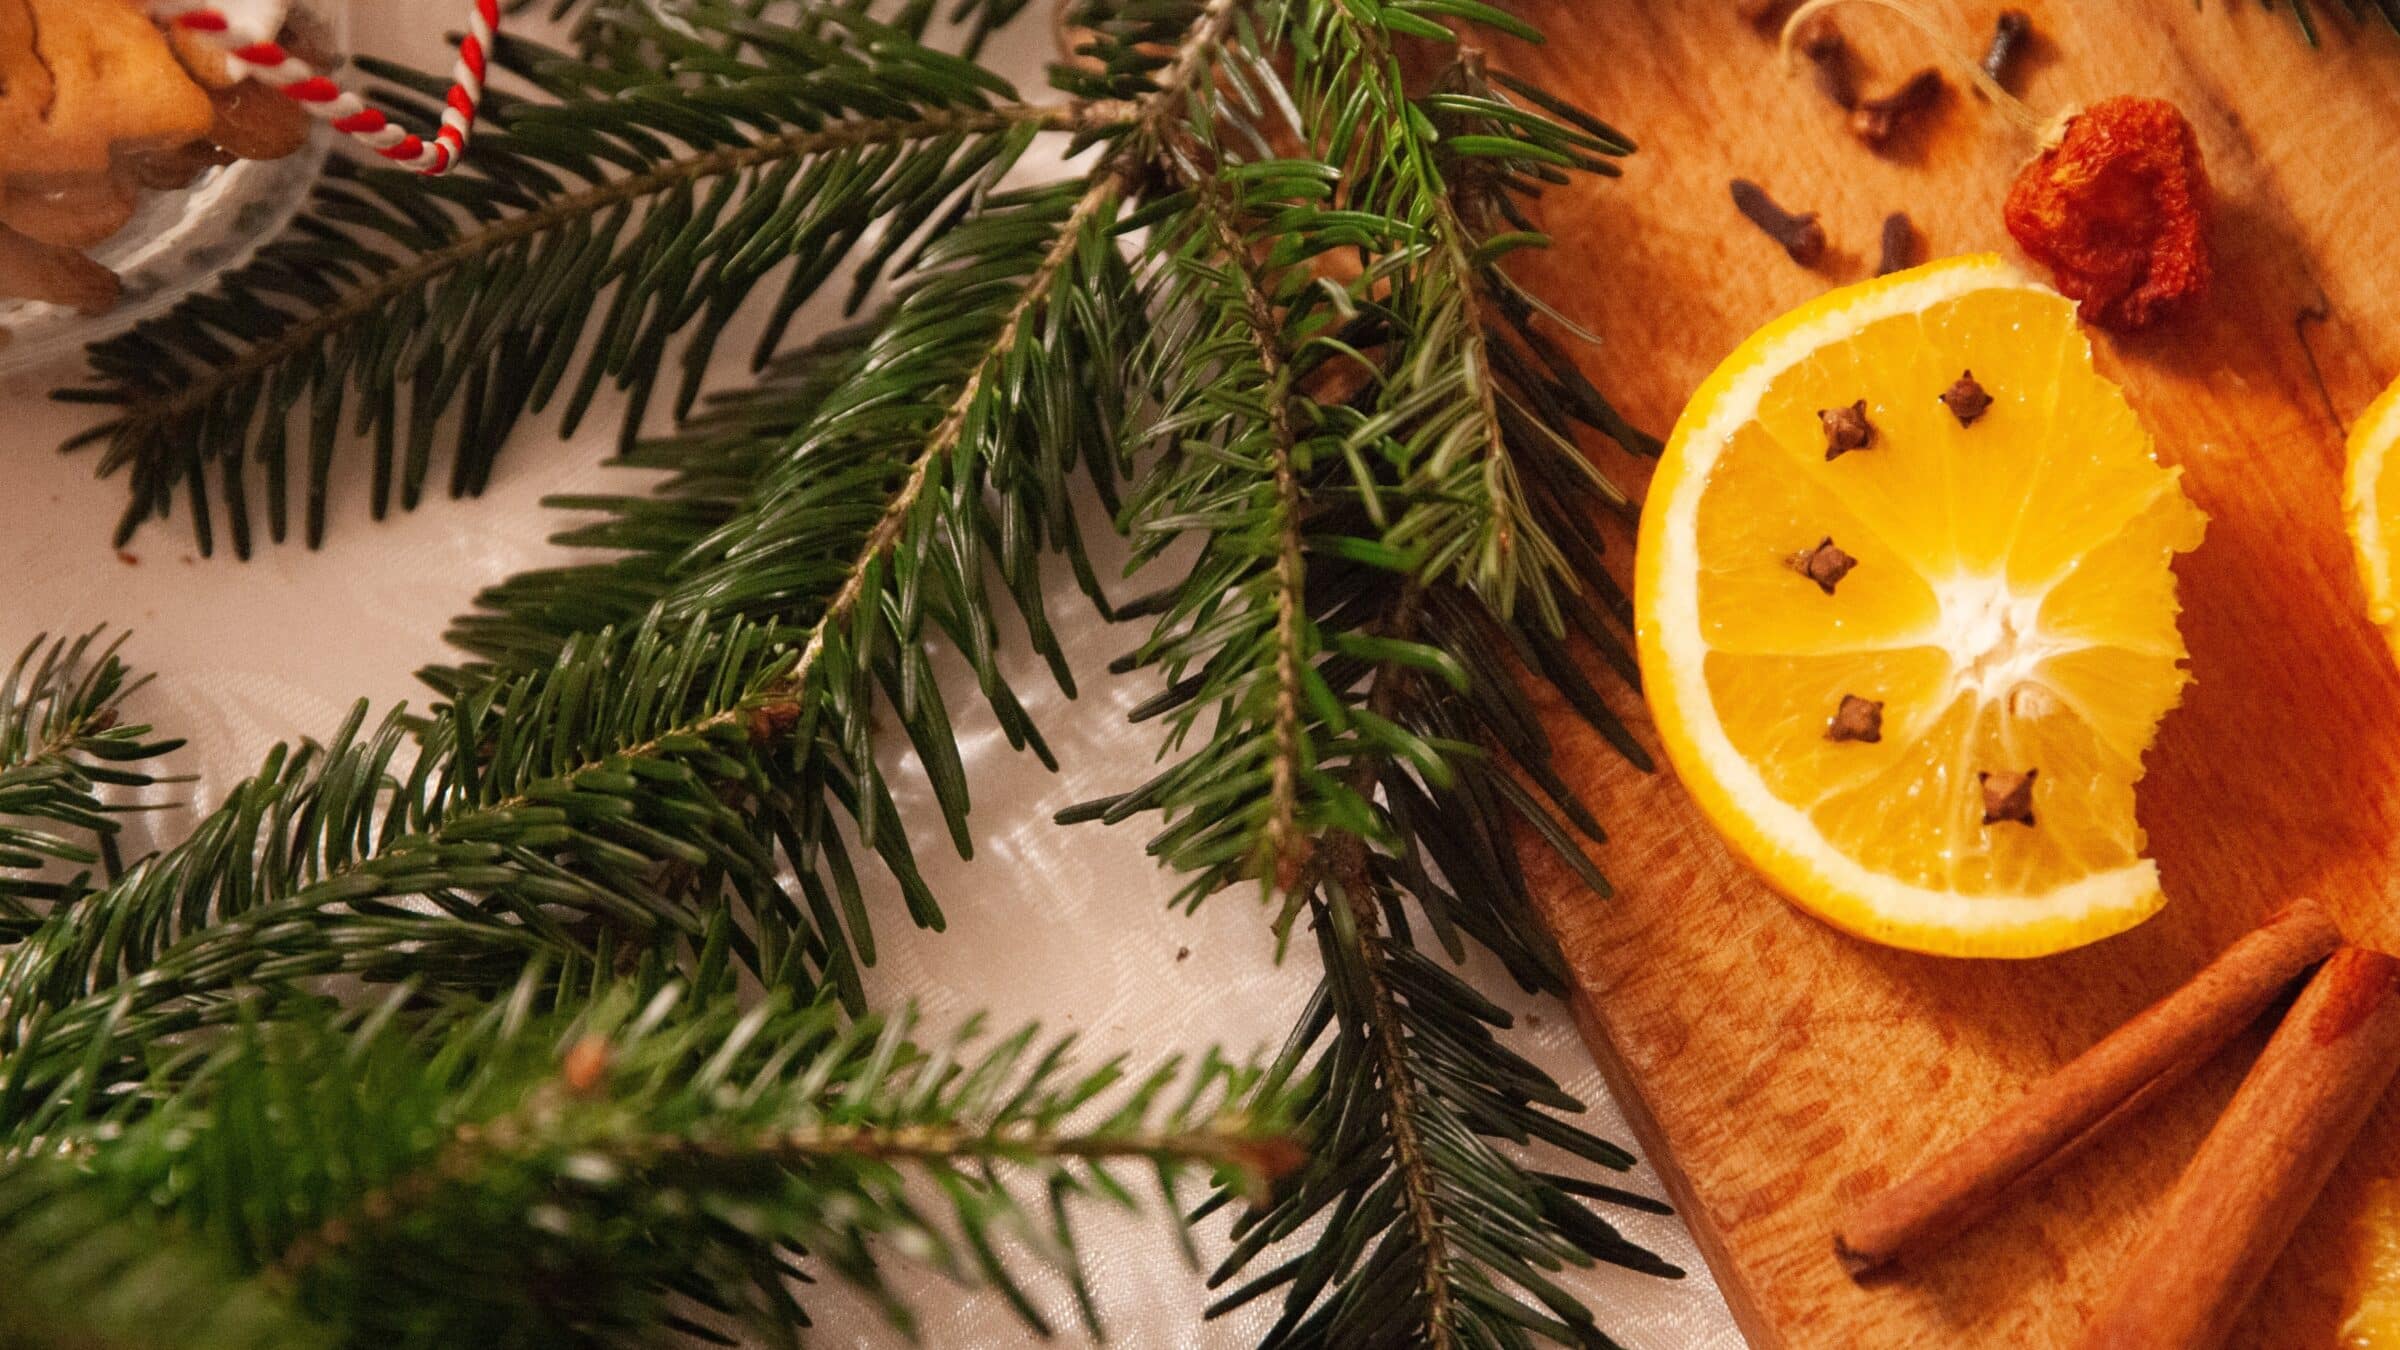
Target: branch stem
1354,878
1229,1141
1452,252
1109,181
1284,855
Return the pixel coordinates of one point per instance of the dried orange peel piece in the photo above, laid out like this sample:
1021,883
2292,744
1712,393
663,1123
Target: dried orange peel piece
2011,611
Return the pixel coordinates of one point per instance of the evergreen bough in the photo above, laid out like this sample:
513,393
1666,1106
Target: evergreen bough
1267,312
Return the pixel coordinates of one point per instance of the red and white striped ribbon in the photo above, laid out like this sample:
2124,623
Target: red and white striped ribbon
255,54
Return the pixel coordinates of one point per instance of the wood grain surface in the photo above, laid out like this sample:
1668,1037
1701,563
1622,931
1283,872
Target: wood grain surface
1781,1069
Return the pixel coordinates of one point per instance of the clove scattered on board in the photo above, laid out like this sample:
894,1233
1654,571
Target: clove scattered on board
2009,34
1829,57
1877,120
1801,236
1899,244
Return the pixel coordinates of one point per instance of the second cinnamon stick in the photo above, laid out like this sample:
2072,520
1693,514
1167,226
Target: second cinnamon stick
1963,1185
2262,1166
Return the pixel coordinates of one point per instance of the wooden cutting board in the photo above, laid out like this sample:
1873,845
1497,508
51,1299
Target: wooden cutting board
1781,1070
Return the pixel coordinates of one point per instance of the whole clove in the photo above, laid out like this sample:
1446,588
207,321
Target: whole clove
1899,244
1877,120
1858,719
2009,33
1967,399
1801,236
2007,796
1826,565
1846,429
1829,57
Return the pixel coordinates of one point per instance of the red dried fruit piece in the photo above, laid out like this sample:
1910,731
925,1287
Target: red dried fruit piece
2118,209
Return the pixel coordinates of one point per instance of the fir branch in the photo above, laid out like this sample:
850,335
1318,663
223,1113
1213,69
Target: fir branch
1404,1101
1338,360
607,812
601,813
1407,154
1280,842
1341,395
659,1158
623,34
681,172
897,522
709,482
63,741
927,531
1017,417
1349,923
636,208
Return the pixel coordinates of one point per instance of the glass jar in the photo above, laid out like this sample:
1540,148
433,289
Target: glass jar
179,241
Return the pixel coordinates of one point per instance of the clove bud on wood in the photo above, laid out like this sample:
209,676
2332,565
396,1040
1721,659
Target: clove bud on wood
1829,57
2008,37
1877,120
1899,244
1801,235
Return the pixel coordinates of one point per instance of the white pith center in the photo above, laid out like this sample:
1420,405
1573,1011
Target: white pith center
1995,642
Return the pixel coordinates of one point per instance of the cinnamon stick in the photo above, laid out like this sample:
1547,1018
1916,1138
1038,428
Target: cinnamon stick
1961,1187
2262,1165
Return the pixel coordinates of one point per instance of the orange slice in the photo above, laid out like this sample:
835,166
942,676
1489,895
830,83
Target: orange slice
2006,614
2374,1320
2371,503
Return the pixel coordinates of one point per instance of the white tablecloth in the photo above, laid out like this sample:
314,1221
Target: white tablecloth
1068,925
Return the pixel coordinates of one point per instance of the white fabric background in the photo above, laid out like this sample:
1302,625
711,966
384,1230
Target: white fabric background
1067,925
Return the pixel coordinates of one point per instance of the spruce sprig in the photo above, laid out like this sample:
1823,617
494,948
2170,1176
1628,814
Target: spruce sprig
607,227
640,548
603,812
632,798
1354,410
67,754
1410,1063
1342,396
660,1158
